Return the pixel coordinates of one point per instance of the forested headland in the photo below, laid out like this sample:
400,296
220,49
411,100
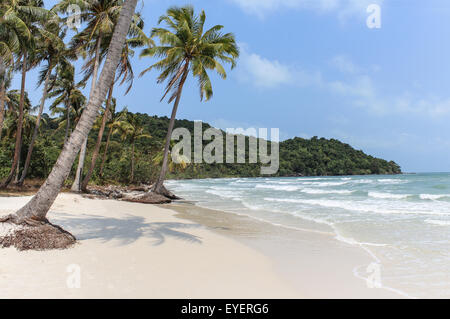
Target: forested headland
135,142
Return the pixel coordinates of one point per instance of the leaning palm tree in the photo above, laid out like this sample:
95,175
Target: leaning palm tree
184,48
51,48
35,211
100,17
125,74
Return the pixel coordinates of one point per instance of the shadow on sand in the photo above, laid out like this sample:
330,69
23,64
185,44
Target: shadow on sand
124,230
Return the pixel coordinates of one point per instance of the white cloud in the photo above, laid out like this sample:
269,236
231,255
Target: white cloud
362,92
265,73
343,8
358,88
343,64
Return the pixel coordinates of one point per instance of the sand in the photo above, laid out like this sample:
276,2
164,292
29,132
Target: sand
131,250
314,263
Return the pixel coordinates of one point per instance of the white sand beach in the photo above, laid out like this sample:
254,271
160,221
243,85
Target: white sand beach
131,250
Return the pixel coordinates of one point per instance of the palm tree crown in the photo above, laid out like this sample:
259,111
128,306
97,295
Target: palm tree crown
184,46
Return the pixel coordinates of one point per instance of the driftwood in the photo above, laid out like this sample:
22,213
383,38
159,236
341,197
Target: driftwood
137,194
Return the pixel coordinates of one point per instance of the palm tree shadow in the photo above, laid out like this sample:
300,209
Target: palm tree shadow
124,230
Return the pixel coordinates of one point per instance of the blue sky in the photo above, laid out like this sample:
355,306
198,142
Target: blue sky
314,68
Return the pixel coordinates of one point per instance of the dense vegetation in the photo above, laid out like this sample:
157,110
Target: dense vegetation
298,156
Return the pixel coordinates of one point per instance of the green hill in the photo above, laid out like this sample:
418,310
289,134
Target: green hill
298,156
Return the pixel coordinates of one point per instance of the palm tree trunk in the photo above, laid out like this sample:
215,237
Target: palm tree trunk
67,123
2,107
16,177
76,186
39,205
36,129
99,141
19,125
159,188
132,163
105,152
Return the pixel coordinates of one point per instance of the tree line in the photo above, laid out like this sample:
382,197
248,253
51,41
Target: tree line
132,149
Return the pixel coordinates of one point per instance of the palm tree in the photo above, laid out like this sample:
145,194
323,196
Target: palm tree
9,43
50,48
11,122
66,92
116,120
124,71
100,16
6,82
13,105
185,48
36,209
132,130
25,15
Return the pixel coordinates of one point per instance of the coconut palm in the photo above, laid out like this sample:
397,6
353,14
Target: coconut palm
67,93
12,113
21,18
36,209
184,48
137,38
131,130
6,82
50,48
9,43
11,123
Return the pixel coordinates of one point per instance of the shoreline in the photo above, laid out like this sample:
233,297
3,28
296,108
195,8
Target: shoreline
270,261
330,270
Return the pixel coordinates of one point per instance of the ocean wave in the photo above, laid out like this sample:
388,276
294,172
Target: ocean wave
358,206
362,181
388,195
391,181
324,184
322,191
225,194
433,196
278,187
438,222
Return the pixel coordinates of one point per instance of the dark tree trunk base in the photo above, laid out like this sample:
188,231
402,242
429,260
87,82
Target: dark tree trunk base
34,235
165,192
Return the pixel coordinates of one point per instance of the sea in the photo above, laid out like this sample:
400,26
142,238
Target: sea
401,221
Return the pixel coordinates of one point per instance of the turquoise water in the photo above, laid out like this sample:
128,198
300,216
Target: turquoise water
402,221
